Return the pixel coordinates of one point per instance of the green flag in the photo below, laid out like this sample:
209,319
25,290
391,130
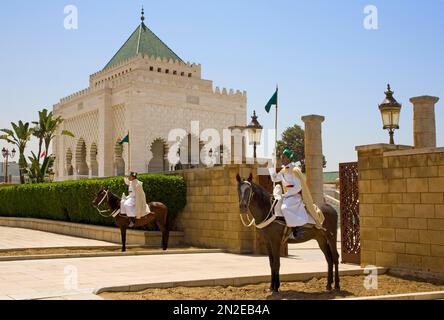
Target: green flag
125,140
273,102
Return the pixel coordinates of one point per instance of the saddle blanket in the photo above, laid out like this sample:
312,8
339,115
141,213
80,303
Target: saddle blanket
117,212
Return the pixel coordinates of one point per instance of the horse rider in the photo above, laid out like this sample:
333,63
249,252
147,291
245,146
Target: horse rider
296,204
134,205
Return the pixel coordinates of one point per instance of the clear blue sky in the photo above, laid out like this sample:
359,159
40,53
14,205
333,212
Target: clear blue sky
318,51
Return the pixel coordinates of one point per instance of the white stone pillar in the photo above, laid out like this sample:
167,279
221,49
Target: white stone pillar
424,125
238,146
106,144
314,157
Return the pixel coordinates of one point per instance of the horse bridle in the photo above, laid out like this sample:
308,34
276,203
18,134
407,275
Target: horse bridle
268,220
252,222
102,212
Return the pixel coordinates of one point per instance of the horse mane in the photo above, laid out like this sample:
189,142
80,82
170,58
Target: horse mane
263,196
114,200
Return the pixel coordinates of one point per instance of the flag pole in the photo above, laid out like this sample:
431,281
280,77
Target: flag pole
276,132
129,153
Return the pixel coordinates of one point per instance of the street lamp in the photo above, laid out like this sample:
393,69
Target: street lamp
7,154
390,111
254,133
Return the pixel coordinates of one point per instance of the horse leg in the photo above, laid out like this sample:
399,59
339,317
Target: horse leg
162,223
336,263
332,245
327,253
270,257
337,284
276,249
123,233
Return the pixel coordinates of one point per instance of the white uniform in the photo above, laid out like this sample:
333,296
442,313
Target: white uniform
290,205
128,204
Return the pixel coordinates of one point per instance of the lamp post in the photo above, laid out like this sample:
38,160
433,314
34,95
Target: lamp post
254,133
390,110
7,154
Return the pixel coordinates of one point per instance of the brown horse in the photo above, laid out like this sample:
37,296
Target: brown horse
258,200
159,214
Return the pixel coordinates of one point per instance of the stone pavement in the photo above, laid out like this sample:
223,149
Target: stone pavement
52,278
80,278
17,238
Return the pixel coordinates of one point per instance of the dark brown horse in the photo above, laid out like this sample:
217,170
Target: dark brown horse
159,214
258,200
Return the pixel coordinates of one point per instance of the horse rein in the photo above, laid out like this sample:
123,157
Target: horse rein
101,212
268,220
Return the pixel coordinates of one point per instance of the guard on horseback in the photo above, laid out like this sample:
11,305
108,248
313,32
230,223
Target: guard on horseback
134,205
296,203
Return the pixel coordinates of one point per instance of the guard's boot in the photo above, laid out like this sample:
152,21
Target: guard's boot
298,232
132,222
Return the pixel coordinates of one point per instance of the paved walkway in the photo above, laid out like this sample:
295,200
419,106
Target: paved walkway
16,238
51,278
80,278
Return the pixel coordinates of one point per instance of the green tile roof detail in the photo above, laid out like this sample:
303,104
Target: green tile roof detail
143,41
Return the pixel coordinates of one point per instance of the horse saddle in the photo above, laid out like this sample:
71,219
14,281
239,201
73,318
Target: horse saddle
118,213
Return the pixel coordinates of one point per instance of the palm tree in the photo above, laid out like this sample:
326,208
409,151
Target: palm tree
40,128
45,131
19,135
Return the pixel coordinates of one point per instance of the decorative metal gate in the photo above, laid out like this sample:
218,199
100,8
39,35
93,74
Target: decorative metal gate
350,230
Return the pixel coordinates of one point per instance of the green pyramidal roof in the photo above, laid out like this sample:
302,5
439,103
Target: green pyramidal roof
142,41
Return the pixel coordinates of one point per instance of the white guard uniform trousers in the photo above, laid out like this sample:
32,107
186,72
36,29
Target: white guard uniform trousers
128,204
290,205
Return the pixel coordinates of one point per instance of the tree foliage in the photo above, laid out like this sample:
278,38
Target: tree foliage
19,136
293,138
40,165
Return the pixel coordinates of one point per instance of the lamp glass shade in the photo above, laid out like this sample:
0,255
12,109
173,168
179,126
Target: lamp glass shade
254,136
13,153
395,118
4,152
390,117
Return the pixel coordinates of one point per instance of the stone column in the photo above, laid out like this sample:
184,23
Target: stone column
238,146
106,144
314,157
424,125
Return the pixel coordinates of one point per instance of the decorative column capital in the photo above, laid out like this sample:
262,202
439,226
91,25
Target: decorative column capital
424,100
313,118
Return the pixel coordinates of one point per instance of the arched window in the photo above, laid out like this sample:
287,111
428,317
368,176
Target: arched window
159,161
81,165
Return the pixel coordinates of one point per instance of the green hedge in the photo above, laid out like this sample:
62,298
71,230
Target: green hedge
72,200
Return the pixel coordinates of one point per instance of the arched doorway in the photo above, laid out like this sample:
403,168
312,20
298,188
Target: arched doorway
188,159
159,161
81,165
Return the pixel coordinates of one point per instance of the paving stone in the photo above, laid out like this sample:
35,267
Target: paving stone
17,238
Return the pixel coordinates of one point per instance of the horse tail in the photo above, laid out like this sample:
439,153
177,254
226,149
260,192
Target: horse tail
331,224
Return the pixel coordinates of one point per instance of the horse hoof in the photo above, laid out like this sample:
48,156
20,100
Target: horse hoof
329,288
337,288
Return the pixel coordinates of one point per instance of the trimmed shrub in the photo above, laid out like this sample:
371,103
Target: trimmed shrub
72,200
